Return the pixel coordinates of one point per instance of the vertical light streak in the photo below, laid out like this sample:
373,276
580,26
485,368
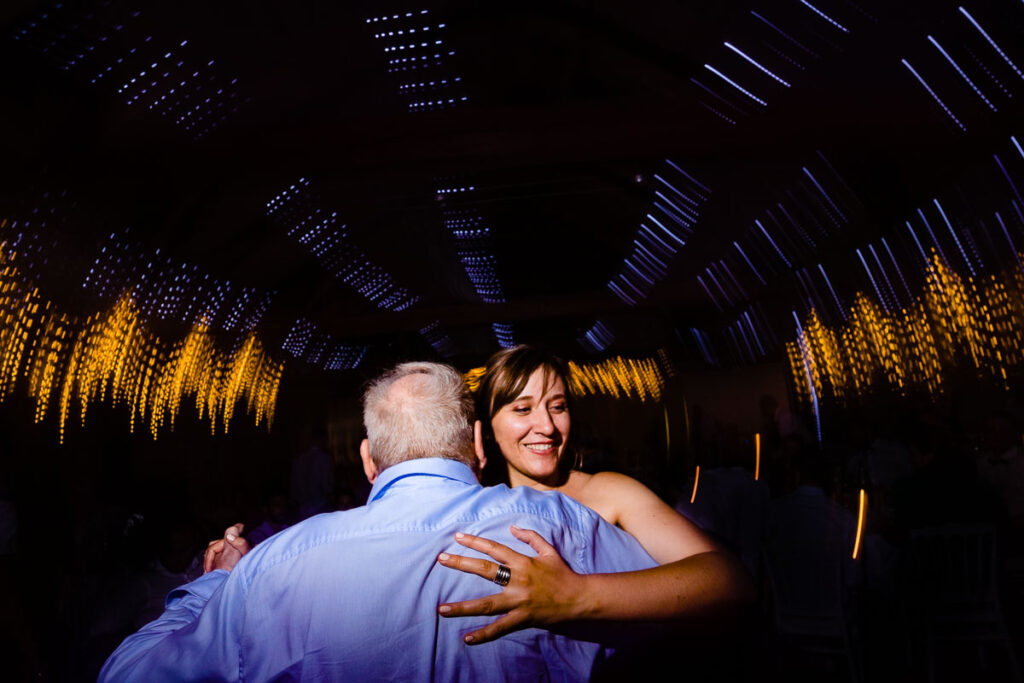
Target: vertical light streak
686,198
861,512
824,16
783,34
667,231
710,295
696,479
990,41
736,85
667,249
679,220
924,256
824,194
956,239
725,294
757,456
1017,145
831,289
934,96
756,64
728,271
935,240
779,251
668,439
621,294
753,332
690,178
962,74
1013,247
910,296
881,299
805,356
650,255
1013,186
756,274
885,277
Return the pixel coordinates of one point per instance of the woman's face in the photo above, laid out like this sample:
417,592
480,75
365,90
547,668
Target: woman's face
532,430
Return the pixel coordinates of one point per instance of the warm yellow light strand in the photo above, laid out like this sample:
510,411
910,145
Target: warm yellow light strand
955,321
110,356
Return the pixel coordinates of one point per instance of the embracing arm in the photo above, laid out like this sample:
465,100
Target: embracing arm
176,645
696,583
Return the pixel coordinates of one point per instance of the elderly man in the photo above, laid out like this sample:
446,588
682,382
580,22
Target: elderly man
354,595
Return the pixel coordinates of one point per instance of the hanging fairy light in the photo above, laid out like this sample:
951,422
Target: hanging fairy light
110,356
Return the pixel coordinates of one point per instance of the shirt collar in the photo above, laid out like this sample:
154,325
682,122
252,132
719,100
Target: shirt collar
438,467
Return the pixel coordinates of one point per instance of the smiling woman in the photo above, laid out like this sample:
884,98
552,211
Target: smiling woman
525,401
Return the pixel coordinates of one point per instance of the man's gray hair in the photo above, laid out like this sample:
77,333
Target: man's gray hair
427,414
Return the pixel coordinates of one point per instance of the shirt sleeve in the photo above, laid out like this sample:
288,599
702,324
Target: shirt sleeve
196,638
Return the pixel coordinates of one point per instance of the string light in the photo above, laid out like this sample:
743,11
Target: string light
955,321
110,356
615,377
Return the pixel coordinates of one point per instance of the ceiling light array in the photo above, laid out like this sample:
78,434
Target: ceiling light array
965,71
474,247
166,75
165,289
438,338
785,238
111,355
297,210
472,242
670,221
505,333
307,343
774,49
418,52
597,338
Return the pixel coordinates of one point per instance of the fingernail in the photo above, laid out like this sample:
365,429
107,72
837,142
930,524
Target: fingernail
232,537
459,534
444,609
469,639
516,528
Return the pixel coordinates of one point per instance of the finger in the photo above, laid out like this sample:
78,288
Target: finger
492,604
535,540
512,621
233,531
501,553
470,565
240,544
211,555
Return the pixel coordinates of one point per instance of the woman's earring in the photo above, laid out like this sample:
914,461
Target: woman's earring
578,464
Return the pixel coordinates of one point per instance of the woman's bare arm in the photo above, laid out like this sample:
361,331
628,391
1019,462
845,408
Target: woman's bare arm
697,583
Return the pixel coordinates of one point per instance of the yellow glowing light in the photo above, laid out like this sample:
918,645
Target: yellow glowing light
696,478
616,376
110,356
954,321
757,456
862,510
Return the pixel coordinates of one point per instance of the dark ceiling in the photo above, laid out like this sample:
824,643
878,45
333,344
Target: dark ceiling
155,138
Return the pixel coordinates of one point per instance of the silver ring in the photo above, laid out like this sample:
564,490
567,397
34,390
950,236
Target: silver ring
503,576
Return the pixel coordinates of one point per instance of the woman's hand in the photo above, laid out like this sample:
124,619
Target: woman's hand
224,553
541,590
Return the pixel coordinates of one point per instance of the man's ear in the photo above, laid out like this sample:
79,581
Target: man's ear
478,446
369,466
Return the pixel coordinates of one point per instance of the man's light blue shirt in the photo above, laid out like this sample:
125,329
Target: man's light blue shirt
353,595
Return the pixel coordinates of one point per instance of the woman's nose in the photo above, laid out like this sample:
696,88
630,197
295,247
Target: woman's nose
544,424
